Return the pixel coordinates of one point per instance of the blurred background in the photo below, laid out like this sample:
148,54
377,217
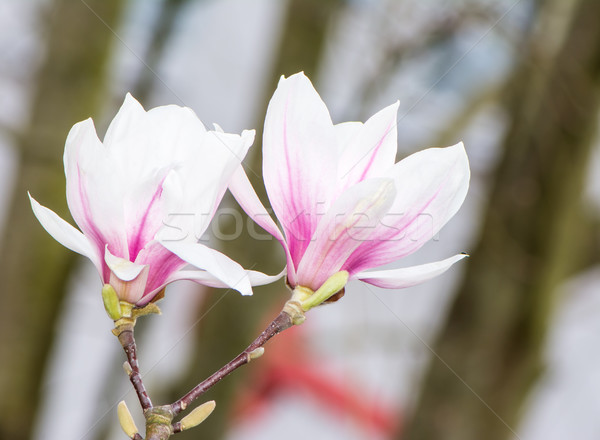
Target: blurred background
503,346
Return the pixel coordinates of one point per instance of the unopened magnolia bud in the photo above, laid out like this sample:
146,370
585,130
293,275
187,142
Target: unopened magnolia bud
333,285
127,368
126,420
198,415
111,302
256,353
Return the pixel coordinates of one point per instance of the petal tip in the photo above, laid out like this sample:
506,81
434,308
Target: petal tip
246,292
458,147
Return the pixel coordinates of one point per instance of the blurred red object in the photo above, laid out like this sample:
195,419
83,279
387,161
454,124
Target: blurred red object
287,367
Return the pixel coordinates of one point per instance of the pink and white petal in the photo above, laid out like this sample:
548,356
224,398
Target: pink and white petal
131,291
371,150
163,264
82,142
299,159
222,267
431,186
179,221
408,276
65,234
144,213
346,225
94,195
244,193
174,136
165,137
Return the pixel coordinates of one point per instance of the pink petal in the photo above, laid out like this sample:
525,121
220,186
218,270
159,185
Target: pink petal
368,150
219,265
300,160
242,190
408,276
346,225
431,186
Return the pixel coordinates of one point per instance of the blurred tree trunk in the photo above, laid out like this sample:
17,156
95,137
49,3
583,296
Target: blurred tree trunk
230,322
33,267
530,241
161,35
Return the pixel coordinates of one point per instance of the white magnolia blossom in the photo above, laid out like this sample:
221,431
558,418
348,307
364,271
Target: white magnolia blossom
158,175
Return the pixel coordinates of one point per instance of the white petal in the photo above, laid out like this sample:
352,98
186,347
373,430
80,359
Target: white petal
210,169
64,233
122,268
207,279
219,265
260,279
300,159
408,276
125,121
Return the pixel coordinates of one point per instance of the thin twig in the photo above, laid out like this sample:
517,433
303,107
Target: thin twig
127,341
279,324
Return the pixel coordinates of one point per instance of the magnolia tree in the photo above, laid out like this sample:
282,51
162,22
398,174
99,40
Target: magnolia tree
343,203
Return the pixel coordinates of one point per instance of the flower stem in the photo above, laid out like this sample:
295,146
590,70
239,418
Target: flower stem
283,321
124,331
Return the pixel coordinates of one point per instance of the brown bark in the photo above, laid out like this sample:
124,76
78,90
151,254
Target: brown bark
33,267
530,241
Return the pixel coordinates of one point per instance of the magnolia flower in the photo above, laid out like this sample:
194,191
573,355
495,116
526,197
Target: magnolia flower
156,172
343,202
